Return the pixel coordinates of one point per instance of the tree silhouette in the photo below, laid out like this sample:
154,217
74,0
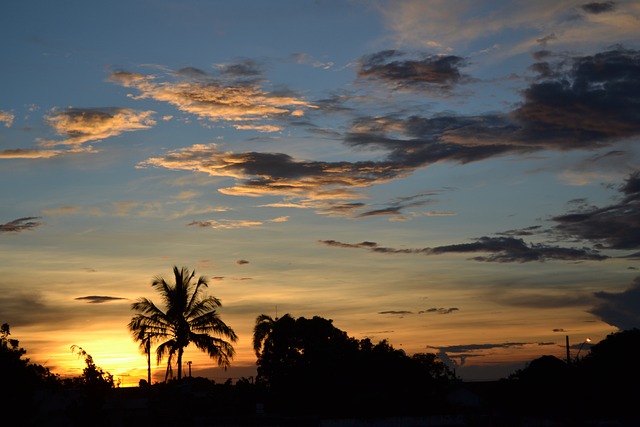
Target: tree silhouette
300,360
190,317
93,377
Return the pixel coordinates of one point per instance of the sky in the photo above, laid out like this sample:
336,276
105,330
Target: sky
459,178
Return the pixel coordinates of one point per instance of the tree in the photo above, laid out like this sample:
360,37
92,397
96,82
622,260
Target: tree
93,377
190,317
300,359
17,375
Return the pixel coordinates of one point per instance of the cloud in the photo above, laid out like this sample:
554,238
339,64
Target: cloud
21,224
225,224
443,26
464,351
241,69
280,219
584,102
581,102
20,153
242,262
431,73
277,173
98,299
20,308
6,118
588,101
501,249
81,125
621,310
63,210
396,312
614,227
599,7
241,101
440,310
462,348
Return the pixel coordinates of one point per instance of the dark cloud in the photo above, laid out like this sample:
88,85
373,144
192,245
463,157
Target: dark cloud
621,310
527,231
509,249
400,312
591,100
477,347
20,224
599,7
28,308
439,72
342,209
501,249
616,226
464,351
579,102
192,73
440,310
575,103
242,262
398,206
98,299
242,69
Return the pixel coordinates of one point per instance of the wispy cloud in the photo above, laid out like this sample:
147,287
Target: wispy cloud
445,27
21,153
500,249
440,310
98,299
225,224
21,224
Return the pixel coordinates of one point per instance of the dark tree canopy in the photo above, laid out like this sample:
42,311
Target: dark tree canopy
312,365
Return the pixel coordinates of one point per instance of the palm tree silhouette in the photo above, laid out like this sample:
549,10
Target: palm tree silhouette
263,330
190,317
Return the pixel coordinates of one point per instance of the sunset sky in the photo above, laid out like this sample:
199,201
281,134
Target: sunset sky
459,177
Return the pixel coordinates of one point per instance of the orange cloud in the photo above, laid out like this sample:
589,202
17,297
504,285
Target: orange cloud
208,98
7,118
81,125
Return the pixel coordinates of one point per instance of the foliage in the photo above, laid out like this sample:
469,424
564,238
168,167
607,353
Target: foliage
300,359
93,377
16,372
190,317
548,385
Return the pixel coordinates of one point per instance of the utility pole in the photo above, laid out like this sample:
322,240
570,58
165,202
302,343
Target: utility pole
568,354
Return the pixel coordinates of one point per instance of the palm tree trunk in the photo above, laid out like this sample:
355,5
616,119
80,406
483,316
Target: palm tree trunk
148,350
179,364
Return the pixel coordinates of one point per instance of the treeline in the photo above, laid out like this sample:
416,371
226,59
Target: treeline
307,369
310,366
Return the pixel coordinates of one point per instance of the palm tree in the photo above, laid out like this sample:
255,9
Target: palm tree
263,331
190,317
